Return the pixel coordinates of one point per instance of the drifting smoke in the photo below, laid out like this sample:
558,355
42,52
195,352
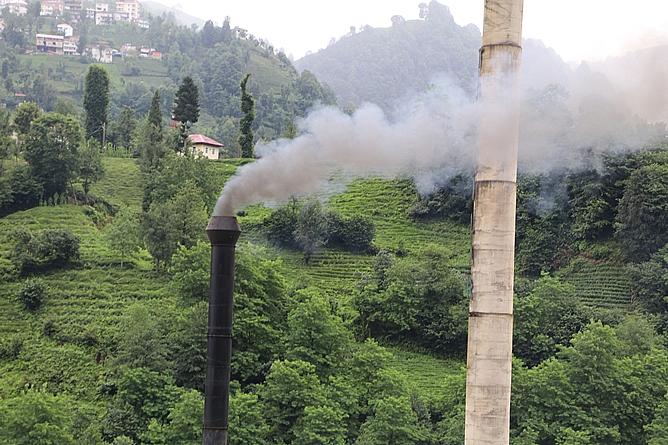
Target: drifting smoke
563,126
437,132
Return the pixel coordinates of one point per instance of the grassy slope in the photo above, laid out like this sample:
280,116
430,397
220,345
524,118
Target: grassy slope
120,184
64,80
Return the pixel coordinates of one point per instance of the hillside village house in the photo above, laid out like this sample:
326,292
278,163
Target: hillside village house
65,30
130,7
48,43
104,18
17,7
51,7
70,48
207,147
101,54
73,6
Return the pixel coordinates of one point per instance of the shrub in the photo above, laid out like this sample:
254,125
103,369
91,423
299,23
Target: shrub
416,300
26,190
5,195
306,226
50,329
280,225
44,250
11,348
353,234
32,294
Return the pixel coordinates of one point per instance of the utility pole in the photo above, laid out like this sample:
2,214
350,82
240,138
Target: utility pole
489,354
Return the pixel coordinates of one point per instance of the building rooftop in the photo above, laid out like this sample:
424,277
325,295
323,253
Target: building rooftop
49,36
201,139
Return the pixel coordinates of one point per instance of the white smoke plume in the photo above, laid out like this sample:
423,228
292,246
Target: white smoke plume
438,131
435,137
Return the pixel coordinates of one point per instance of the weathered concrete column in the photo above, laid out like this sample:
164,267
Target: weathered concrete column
489,354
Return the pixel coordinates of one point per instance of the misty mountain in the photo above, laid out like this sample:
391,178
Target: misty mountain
385,65
382,65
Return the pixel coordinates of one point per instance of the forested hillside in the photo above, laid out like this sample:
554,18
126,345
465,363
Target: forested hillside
386,65
216,57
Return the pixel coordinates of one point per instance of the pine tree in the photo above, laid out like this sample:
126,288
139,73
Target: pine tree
96,102
186,103
248,109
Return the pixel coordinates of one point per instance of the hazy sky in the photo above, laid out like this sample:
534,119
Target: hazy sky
577,29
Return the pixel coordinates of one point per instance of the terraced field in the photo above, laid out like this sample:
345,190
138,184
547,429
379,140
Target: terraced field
600,284
121,184
97,289
431,376
387,203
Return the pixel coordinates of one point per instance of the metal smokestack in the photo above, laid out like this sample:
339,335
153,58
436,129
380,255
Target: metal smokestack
489,352
223,232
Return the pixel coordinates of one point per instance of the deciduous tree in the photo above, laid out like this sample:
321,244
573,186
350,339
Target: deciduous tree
311,228
90,168
51,150
123,233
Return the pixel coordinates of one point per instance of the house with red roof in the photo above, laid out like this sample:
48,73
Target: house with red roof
205,146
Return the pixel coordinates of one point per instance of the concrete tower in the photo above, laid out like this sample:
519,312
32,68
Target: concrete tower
489,355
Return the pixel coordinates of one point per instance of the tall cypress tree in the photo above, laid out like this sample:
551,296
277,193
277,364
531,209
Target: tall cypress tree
186,103
155,115
186,109
150,141
96,102
248,109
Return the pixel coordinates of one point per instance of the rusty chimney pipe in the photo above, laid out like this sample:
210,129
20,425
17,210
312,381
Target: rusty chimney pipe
223,232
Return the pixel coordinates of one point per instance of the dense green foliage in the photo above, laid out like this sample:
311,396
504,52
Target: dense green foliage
45,249
134,366
96,102
416,300
51,150
246,124
603,389
562,213
32,294
643,211
307,227
378,64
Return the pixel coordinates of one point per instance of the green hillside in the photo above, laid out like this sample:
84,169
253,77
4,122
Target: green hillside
87,302
70,347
